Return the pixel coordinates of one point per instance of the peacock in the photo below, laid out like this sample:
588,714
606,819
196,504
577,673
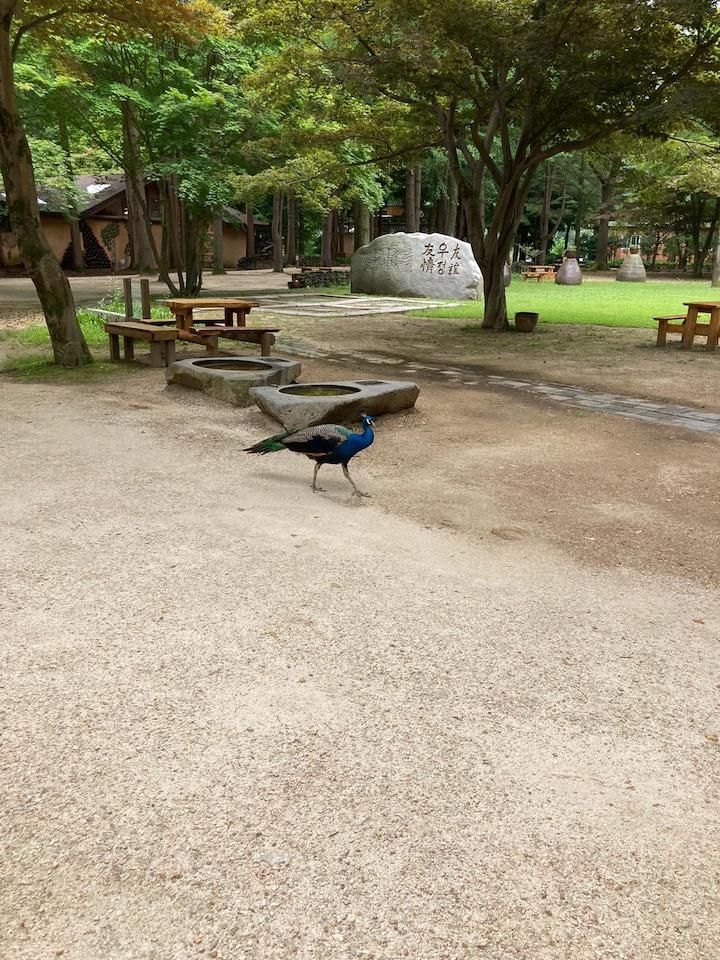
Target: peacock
325,443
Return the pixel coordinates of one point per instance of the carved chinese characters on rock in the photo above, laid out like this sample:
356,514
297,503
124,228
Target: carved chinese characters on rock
417,265
441,261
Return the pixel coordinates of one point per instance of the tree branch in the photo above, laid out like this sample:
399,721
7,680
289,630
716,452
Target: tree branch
30,25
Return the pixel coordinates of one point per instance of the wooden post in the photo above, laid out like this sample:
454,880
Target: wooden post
145,298
157,354
114,348
127,285
689,333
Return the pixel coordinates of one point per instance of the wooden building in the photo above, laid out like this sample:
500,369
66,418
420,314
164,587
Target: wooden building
103,222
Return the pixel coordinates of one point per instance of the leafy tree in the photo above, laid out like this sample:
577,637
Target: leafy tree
18,18
511,83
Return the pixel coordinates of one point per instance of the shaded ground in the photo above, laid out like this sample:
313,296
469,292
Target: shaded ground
614,359
19,292
476,716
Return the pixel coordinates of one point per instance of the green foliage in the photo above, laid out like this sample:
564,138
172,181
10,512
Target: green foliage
604,303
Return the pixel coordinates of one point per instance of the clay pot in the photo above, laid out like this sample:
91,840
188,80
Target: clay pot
526,322
569,273
632,269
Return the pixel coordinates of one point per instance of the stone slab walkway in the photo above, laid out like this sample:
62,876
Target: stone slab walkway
667,414
663,414
329,305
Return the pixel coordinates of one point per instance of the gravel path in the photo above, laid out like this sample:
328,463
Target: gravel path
240,721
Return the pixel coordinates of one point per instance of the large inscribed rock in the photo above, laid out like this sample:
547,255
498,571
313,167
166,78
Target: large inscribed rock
417,265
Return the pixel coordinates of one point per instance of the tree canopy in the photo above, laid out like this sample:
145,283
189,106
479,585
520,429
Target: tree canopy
504,122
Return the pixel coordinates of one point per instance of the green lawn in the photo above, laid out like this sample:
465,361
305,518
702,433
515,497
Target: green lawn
604,302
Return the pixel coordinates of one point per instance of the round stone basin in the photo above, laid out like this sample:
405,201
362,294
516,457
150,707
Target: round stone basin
232,363
318,390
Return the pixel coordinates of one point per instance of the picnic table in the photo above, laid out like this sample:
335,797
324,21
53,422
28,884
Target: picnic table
231,326
233,309
539,272
688,327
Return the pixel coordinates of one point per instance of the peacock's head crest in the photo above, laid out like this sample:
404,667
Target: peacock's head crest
366,420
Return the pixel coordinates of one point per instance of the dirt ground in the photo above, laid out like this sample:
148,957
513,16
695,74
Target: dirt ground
622,360
475,716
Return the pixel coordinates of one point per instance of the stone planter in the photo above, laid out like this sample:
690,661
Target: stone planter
632,269
526,322
569,273
231,378
339,401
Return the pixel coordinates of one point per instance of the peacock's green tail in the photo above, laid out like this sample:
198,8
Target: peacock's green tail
269,444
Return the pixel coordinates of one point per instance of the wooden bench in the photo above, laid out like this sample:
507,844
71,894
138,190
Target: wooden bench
111,317
668,325
209,336
161,340
539,273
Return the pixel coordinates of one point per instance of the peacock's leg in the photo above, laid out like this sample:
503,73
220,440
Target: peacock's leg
315,487
356,492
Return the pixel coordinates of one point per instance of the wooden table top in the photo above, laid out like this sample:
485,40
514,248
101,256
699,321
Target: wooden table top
707,304
188,303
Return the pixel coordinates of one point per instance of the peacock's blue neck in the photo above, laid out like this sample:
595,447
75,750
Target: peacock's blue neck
354,444
367,436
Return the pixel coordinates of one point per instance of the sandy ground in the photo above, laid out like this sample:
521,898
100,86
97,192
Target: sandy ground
475,716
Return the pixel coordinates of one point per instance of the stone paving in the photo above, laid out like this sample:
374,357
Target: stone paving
329,305
650,411
667,414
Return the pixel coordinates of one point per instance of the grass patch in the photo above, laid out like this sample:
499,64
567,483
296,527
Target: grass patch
92,326
605,303
40,366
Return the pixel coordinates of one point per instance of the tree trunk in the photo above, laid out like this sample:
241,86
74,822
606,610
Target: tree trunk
194,233
218,245
250,214
709,237
682,255
338,249
449,225
495,316
607,200
277,237
418,197
326,244
545,214
411,224
292,229
715,282
580,208
656,248
76,246
142,256
361,222
172,231
68,344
